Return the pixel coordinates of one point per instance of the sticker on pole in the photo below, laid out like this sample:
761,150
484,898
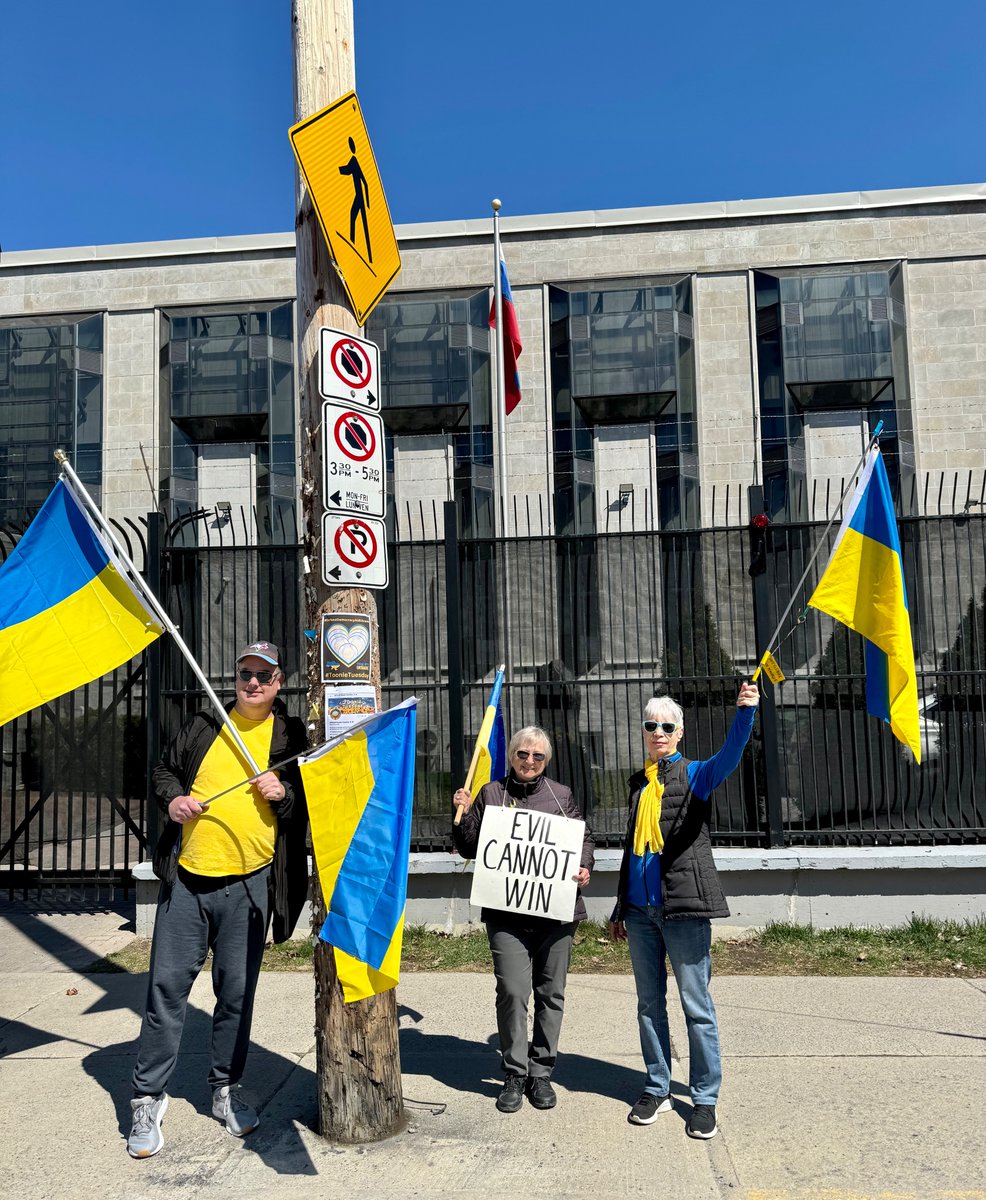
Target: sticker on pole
348,369
352,461
354,551
346,641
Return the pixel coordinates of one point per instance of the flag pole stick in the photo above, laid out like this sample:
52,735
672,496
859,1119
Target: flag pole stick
151,600
475,759
874,438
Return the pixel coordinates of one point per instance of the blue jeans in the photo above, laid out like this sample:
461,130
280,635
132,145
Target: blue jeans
687,942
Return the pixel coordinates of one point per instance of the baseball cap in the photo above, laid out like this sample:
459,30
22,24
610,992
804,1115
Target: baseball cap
265,650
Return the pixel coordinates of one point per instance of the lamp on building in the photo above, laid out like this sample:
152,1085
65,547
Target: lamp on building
224,512
626,491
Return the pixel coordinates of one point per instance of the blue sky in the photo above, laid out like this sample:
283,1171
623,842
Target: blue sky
126,121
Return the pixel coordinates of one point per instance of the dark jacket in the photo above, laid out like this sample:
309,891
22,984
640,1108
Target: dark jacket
689,880
541,795
175,774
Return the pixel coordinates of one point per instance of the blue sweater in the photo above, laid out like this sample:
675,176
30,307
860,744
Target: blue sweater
704,776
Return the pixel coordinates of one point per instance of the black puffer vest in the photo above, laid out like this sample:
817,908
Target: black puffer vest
689,880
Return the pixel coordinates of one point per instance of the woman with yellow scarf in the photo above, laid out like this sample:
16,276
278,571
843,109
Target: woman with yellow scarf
668,893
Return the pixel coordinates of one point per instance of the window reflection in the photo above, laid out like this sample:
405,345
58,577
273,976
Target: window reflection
51,397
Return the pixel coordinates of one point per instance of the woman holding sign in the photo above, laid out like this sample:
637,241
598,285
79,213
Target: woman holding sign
527,949
668,892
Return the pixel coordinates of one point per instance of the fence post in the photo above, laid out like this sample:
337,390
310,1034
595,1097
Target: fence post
768,711
453,627
152,695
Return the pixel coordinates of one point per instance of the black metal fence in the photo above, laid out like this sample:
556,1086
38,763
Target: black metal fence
590,627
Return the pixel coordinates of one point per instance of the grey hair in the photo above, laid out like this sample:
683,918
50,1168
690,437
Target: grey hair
663,706
530,733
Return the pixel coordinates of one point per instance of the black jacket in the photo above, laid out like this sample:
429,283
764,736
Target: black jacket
689,880
175,774
541,795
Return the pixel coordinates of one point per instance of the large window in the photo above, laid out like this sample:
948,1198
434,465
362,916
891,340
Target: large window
435,376
51,397
831,355
623,354
229,411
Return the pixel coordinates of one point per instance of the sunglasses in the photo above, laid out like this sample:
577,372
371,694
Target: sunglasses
262,677
524,755
667,727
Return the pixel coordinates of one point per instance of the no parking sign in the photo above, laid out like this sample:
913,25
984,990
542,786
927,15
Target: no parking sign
348,369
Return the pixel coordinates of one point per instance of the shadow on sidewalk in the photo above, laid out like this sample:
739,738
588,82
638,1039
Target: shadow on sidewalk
474,1066
268,1074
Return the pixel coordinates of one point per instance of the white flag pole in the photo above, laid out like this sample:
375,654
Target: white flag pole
501,387
136,581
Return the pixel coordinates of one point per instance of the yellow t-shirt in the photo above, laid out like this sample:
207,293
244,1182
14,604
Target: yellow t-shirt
235,834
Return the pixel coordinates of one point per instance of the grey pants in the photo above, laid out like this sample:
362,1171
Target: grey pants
524,954
228,916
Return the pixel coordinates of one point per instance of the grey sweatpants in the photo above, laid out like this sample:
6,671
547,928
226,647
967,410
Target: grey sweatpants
523,955
228,916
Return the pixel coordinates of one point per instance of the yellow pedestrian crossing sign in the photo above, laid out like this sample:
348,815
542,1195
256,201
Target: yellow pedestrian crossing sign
334,156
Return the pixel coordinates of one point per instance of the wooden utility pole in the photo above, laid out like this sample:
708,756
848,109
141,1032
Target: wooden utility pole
359,1073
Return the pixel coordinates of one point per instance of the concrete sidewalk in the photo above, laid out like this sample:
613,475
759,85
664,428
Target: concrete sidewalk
833,1088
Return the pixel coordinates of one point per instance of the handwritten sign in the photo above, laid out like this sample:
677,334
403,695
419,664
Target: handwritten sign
525,862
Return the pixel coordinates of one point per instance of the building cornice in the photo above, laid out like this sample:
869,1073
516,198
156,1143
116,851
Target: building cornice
708,213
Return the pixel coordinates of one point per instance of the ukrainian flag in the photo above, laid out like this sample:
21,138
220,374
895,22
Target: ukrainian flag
491,742
863,587
360,788
69,612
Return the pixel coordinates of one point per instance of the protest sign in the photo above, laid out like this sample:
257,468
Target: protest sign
526,862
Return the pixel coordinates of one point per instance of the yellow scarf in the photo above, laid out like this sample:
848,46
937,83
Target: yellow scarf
647,831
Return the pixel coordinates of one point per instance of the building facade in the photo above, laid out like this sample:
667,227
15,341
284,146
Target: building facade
684,368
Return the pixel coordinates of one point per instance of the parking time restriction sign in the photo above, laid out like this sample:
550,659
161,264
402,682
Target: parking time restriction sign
352,460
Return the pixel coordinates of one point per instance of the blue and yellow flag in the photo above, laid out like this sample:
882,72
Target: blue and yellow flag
68,609
360,788
491,742
863,587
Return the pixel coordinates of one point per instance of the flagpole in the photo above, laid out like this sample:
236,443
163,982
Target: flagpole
152,601
501,387
501,420
874,438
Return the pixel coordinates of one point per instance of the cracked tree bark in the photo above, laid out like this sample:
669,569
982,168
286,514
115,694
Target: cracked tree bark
358,1060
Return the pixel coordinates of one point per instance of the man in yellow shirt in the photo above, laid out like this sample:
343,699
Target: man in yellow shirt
224,864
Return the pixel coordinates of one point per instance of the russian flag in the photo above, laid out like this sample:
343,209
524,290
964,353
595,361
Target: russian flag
511,341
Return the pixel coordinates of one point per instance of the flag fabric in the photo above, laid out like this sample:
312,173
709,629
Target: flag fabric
69,611
863,587
360,788
511,340
491,741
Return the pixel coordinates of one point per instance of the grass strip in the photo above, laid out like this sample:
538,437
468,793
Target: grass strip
922,947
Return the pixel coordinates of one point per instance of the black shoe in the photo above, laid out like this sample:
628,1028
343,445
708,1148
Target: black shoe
648,1108
540,1092
702,1122
512,1096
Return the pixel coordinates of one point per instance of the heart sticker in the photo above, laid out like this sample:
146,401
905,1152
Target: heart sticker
347,642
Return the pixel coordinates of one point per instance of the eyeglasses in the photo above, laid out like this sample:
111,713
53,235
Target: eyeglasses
524,755
667,727
262,677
